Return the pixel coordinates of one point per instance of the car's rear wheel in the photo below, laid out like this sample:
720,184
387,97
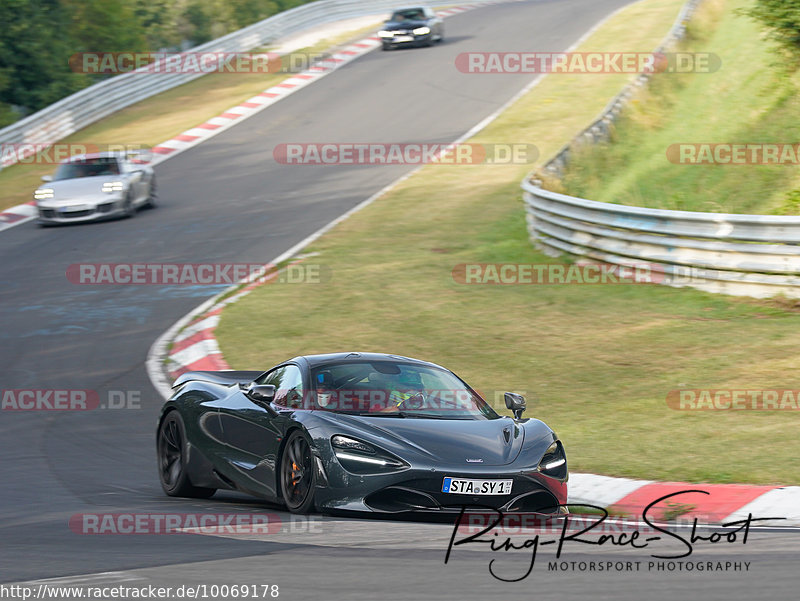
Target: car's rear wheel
298,475
172,460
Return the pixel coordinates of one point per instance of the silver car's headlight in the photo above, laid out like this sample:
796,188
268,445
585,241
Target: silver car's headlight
112,187
385,34
422,30
44,194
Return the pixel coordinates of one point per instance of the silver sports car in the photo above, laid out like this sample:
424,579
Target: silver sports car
96,186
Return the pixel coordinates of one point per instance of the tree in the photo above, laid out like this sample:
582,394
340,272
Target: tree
38,37
782,18
160,21
104,26
34,52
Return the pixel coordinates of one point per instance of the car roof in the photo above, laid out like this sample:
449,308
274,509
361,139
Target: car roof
359,357
108,154
414,7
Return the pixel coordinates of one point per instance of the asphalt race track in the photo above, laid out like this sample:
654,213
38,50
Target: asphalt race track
227,200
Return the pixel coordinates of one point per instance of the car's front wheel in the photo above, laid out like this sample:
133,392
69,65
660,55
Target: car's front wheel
298,475
172,460
128,210
152,199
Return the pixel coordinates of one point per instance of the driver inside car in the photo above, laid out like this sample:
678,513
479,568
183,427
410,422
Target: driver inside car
325,388
406,391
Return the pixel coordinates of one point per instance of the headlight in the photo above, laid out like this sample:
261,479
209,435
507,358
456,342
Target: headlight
351,444
422,30
385,34
112,187
362,458
554,461
44,194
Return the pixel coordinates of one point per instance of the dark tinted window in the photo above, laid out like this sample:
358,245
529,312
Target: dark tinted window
389,389
288,383
87,168
409,14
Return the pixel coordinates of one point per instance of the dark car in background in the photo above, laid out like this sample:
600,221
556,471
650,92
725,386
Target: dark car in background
362,432
413,26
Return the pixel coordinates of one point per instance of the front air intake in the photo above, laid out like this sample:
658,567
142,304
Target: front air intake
395,499
539,501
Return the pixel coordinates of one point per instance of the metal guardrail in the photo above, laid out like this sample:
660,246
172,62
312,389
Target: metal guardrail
101,99
743,255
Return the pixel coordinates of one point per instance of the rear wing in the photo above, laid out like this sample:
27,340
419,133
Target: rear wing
226,378
139,156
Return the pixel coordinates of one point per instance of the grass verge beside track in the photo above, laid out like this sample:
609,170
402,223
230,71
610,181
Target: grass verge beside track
751,99
599,360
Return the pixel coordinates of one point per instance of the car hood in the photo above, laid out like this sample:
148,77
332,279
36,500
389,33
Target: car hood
393,25
450,442
81,186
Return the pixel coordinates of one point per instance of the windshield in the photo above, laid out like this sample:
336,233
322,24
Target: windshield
410,14
387,389
87,168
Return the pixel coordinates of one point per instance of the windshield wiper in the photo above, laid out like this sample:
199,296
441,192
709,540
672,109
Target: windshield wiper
407,414
402,414
434,416
375,413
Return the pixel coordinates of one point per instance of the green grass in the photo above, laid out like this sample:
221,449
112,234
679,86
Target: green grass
750,99
159,118
598,360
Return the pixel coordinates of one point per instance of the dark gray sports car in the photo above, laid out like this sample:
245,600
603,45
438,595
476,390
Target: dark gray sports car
412,26
360,432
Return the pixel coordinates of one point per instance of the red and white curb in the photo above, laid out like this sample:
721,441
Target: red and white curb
270,96
715,504
16,215
196,135
194,347
252,106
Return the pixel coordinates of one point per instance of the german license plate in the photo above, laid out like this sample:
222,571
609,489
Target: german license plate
464,486
404,38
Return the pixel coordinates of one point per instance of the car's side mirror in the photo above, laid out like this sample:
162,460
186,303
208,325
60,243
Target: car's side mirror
47,178
261,394
515,402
